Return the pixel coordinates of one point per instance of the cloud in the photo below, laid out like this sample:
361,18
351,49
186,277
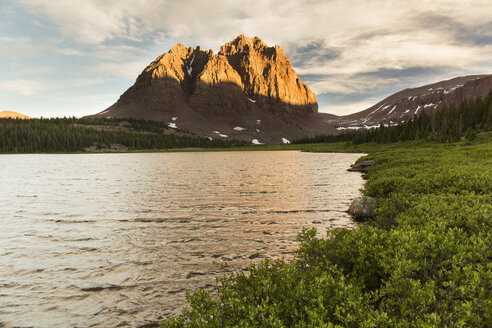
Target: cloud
130,69
336,46
24,87
349,107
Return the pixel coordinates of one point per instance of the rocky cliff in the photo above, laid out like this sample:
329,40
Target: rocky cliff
247,89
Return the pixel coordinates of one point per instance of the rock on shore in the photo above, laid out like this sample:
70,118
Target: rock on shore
362,208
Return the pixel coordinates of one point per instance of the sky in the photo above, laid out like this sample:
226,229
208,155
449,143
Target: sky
75,58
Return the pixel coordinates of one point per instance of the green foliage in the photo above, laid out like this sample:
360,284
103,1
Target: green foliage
424,261
74,135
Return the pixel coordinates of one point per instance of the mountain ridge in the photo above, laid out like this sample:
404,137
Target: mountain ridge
11,114
407,103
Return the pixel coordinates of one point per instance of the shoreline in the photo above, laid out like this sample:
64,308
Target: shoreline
428,240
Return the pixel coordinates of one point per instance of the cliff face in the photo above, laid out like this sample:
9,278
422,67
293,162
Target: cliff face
267,76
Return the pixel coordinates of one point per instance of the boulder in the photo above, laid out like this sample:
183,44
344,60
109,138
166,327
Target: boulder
362,208
362,166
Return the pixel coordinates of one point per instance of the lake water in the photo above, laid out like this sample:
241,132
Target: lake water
104,240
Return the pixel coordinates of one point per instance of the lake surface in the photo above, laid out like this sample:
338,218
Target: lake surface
104,240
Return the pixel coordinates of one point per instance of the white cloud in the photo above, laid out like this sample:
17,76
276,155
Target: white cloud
349,107
128,70
94,21
354,38
24,87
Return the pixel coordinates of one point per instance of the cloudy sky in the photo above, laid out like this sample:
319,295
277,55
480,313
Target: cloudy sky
74,57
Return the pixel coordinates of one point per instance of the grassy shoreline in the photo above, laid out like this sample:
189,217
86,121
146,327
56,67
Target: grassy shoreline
424,261
336,147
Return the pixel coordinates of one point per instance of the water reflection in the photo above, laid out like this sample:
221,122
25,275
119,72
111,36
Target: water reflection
116,239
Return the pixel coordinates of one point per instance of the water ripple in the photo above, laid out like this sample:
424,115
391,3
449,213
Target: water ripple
117,239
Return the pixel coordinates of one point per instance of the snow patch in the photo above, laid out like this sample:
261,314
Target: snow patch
285,141
374,111
257,130
417,110
210,138
256,142
172,125
220,134
238,128
452,89
174,118
340,128
258,121
392,109
189,69
252,100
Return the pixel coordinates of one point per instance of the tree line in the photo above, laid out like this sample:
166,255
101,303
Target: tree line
449,124
74,135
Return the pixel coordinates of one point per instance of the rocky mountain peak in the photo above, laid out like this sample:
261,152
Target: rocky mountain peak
242,44
244,76
263,74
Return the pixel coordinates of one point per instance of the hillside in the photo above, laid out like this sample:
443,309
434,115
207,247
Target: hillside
10,114
407,103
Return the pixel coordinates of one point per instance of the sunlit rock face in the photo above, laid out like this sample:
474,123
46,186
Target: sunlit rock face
245,82
267,76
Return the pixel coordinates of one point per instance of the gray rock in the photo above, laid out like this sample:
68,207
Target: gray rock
362,208
362,166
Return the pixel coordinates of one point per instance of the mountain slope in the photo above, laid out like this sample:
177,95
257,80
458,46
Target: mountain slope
407,103
247,91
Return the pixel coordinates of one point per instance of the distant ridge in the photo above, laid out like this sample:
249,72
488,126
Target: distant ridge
10,114
407,103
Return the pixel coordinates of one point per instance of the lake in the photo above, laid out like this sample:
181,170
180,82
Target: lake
104,240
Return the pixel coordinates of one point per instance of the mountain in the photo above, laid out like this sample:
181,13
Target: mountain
405,104
247,91
9,114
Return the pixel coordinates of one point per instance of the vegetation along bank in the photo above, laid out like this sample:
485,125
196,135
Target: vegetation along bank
423,261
